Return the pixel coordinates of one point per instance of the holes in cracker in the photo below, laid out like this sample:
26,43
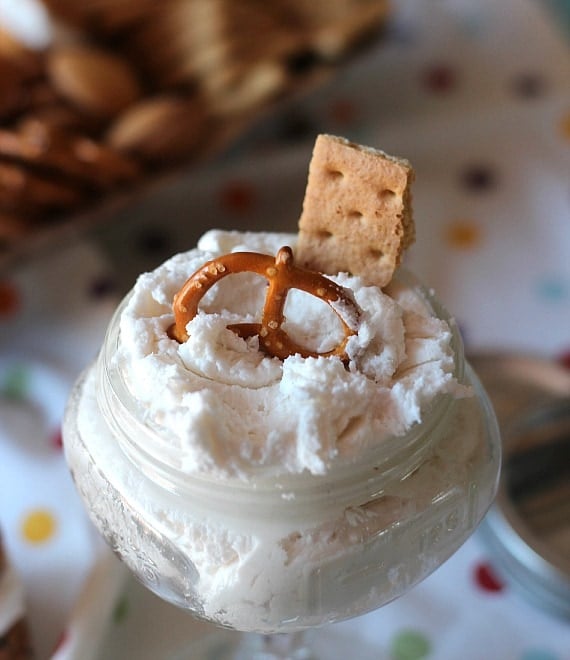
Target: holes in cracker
387,195
335,175
324,234
375,253
355,215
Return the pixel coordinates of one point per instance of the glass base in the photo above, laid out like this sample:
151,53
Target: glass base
319,644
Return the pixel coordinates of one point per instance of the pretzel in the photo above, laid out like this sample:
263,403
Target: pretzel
282,275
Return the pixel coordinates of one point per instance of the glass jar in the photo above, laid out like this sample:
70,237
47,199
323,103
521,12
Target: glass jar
287,553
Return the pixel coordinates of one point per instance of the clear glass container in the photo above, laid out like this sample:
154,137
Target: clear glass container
292,552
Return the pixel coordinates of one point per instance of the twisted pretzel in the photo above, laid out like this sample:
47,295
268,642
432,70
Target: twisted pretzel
282,276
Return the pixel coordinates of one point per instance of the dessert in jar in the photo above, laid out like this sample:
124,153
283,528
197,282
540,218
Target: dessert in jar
273,440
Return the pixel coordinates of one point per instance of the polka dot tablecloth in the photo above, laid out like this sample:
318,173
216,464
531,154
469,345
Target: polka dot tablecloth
477,96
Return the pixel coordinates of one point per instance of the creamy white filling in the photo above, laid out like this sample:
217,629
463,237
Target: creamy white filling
230,409
253,571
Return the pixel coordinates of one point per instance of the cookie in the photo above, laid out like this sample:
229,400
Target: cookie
356,214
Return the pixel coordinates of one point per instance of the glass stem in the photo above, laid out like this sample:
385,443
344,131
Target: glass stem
279,646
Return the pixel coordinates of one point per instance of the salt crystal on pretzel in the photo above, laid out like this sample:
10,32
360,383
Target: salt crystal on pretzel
357,211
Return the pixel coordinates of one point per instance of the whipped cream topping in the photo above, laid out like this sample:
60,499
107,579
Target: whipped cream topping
229,409
270,556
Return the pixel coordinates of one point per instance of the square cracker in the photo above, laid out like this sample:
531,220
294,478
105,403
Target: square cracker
357,211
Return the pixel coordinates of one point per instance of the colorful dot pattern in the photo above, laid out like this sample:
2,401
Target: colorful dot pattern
565,126
238,197
439,79
42,517
9,299
410,645
462,234
14,383
486,578
121,611
478,227
38,526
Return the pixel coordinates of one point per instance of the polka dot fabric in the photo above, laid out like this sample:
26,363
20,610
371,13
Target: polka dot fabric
44,528
476,96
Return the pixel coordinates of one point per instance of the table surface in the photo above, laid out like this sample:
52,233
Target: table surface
476,96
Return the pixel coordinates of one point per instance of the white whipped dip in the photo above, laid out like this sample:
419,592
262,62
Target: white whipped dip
265,518
229,409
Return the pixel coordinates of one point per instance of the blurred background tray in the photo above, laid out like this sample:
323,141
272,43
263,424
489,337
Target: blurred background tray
123,97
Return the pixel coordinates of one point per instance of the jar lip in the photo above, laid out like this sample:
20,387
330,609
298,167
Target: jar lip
396,455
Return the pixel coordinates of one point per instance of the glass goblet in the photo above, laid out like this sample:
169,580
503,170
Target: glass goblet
276,556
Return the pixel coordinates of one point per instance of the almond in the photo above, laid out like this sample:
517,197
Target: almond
99,82
162,128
